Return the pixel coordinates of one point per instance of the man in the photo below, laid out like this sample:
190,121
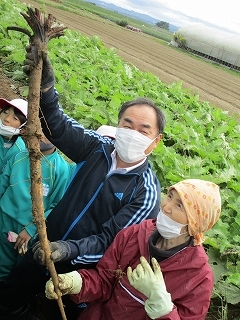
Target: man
113,187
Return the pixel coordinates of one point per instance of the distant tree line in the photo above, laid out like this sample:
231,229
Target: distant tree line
122,23
163,25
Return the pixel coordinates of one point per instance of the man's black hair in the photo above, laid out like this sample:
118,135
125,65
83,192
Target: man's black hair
161,121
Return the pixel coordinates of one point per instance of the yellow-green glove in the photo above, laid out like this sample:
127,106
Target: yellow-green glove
150,282
69,283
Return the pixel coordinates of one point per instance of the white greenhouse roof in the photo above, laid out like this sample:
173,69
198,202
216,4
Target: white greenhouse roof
213,42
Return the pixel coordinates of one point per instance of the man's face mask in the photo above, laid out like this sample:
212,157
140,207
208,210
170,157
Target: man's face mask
131,144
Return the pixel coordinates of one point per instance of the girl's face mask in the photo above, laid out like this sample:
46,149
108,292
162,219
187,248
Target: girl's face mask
131,144
8,132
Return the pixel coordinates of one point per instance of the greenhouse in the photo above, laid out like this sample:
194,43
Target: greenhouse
212,43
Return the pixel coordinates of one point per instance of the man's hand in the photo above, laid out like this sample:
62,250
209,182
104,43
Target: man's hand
150,282
60,251
69,283
48,78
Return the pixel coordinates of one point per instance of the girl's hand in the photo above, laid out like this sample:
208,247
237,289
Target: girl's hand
22,242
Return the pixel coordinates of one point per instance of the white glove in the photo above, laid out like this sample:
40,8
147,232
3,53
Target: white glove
151,284
69,283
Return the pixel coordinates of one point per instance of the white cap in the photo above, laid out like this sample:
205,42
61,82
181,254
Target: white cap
19,104
107,131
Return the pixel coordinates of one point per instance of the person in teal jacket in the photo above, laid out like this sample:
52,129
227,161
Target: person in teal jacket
13,117
16,205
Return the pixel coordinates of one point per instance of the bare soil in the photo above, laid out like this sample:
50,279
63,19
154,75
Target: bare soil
8,88
219,87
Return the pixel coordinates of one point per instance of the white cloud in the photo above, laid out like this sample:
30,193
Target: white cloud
223,14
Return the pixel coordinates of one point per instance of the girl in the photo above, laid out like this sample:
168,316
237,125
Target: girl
16,221
13,117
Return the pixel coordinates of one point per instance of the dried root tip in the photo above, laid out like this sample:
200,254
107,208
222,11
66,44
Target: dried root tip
23,30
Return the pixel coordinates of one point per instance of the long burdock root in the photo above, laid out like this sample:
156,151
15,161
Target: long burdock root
43,29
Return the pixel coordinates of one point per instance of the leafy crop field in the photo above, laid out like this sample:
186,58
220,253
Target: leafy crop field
99,65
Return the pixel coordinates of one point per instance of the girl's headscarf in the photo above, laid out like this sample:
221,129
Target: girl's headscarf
202,202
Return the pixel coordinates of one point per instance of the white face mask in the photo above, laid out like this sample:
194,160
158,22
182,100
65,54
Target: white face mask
7,131
131,144
167,227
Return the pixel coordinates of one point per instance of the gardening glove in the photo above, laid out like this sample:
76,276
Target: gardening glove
151,284
69,283
48,78
60,251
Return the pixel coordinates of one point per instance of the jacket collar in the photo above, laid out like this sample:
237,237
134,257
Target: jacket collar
108,149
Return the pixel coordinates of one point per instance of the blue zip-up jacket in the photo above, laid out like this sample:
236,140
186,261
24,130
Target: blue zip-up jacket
96,205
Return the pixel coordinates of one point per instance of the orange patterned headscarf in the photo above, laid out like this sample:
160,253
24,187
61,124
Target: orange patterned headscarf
202,202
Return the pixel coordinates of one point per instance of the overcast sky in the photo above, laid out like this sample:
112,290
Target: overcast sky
220,13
